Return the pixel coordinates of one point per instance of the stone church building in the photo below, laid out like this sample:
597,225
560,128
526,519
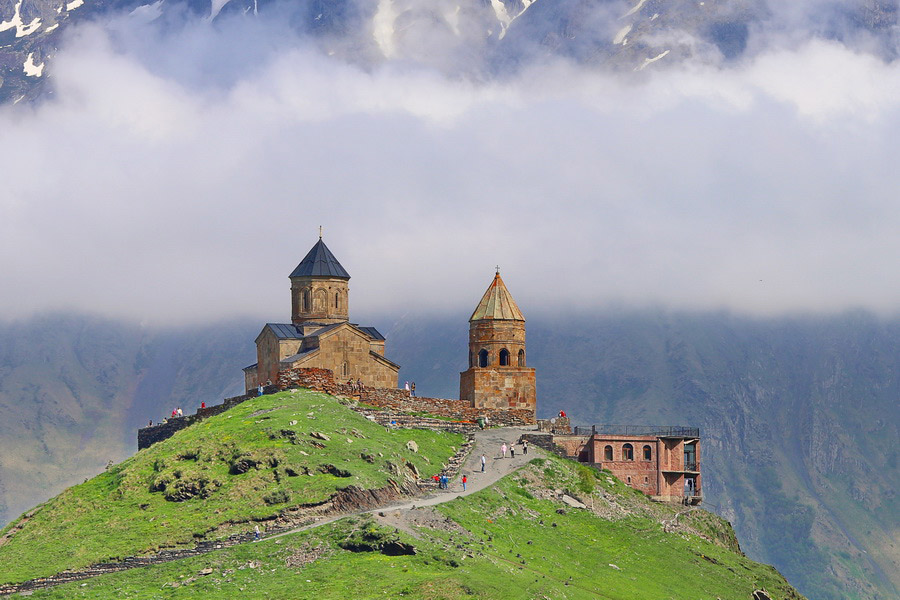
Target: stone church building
498,376
320,333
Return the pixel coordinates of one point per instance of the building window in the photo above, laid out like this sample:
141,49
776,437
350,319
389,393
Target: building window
627,452
345,369
690,457
648,453
337,300
607,453
629,480
521,358
483,358
305,300
646,480
504,358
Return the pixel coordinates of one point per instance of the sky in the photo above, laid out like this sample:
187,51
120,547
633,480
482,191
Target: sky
179,173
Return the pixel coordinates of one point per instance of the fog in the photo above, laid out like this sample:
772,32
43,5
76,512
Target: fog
181,170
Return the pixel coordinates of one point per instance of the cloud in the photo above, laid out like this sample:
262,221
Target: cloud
181,172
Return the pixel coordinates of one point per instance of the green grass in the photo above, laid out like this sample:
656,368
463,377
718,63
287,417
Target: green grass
502,545
138,506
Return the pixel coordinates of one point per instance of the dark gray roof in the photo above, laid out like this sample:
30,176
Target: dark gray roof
285,331
320,262
371,332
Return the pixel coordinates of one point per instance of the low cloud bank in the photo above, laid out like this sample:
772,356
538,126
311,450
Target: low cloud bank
180,173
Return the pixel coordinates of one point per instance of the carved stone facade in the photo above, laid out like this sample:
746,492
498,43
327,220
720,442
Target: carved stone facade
320,334
498,376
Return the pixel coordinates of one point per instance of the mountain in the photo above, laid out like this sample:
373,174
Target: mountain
485,38
297,461
798,415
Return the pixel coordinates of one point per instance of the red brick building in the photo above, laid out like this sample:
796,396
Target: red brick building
662,462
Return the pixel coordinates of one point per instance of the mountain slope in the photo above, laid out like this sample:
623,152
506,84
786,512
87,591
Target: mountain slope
525,534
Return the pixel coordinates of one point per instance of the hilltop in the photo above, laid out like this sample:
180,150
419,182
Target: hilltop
548,528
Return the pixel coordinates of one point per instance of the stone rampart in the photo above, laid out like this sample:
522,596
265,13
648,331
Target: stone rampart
402,401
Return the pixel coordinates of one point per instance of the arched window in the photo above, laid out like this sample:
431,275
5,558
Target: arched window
521,358
648,453
305,299
504,358
337,300
607,453
482,358
627,452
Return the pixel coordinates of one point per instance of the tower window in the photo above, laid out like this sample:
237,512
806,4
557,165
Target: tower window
648,453
607,453
627,452
504,358
482,358
305,300
521,358
337,300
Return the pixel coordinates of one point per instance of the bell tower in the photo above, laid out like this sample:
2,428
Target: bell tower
319,288
498,375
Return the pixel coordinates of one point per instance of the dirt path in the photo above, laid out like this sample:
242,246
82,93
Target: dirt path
488,442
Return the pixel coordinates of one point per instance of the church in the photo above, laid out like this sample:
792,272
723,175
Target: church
320,333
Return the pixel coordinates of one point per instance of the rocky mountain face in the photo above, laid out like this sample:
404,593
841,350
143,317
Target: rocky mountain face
481,38
799,416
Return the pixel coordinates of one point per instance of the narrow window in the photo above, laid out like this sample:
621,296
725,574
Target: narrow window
627,452
337,300
690,457
629,480
521,358
504,358
648,453
482,358
607,453
646,480
305,295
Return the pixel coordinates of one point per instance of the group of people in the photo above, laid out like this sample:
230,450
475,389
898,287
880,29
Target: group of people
411,388
444,482
355,386
511,449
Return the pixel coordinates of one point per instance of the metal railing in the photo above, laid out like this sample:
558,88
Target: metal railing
658,430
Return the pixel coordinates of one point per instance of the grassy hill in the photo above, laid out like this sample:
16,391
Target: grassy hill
210,480
513,540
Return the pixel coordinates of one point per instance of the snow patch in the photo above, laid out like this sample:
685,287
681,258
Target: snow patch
620,36
147,13
383,27
635,8
51,28
16,21
648,61
74,4
31,69
503,15
654,17
216,7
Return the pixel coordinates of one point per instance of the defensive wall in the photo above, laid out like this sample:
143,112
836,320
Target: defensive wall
397,407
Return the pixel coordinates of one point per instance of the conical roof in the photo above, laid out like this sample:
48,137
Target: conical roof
497,303
320,262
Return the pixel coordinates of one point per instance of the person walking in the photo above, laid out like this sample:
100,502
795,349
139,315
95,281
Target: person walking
406,386
503,450
256,533
412,389
180,413
483,460
512,451
259,390
464,480
524,446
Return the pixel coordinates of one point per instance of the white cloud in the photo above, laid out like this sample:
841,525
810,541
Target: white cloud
173,177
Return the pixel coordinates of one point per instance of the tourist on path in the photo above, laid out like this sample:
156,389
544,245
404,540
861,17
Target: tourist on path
180,413
412,389
406,385
524,446
483,460
464,480
503,450
512,451
259,390
256,533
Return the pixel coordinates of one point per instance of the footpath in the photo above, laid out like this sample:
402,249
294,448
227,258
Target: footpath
487,442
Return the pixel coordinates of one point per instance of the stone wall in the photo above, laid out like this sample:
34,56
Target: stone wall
401,401
147,436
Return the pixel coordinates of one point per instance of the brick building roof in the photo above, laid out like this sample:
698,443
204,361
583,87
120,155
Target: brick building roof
497,303
320,262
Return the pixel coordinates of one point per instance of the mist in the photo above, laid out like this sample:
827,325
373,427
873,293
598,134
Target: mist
182,168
